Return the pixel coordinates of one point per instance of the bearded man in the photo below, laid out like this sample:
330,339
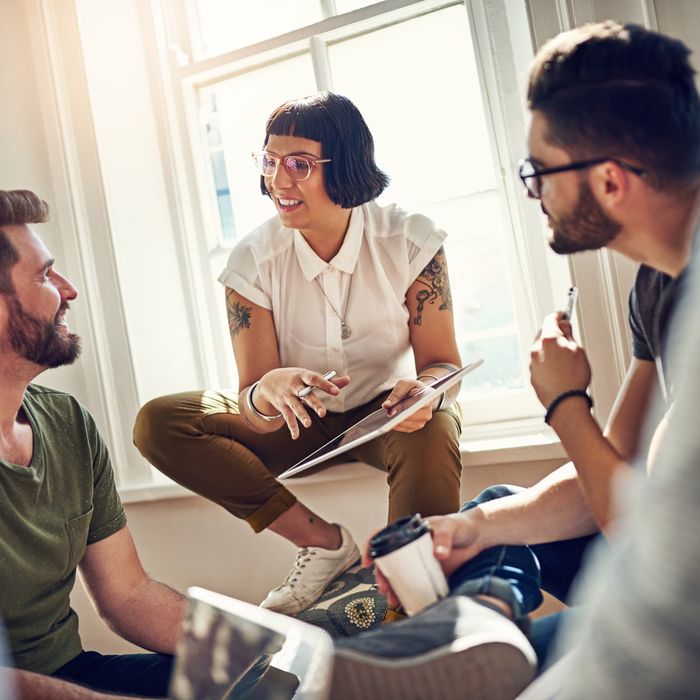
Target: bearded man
60,508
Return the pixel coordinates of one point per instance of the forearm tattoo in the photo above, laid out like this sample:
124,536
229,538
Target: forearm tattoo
239,316
437,284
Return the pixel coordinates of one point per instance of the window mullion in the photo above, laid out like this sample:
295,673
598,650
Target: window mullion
328,8
318,49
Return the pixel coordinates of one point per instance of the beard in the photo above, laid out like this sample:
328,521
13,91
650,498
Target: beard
586,228
39,341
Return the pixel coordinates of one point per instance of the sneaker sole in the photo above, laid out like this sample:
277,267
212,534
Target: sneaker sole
486,657
482,671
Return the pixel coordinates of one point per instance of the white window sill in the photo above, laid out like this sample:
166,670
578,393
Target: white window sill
509,443
524,441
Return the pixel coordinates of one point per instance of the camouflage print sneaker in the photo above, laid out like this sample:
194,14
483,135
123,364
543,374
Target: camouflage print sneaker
351,604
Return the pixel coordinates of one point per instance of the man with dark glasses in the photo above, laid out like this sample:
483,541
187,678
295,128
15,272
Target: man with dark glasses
531,172
614,159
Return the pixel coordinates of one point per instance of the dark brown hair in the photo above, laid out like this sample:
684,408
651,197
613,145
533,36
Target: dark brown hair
621,91
17,207
352,178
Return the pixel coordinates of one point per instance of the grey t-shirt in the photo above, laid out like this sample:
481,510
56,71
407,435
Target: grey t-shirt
650,287
49,512
651,305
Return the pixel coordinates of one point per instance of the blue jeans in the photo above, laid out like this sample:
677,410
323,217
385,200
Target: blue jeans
143,675
516,573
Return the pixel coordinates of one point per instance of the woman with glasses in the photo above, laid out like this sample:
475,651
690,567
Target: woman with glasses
333,281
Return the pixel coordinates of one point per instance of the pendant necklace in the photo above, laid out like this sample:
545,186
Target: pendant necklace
345,330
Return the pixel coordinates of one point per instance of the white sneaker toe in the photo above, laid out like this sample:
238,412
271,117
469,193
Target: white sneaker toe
314,568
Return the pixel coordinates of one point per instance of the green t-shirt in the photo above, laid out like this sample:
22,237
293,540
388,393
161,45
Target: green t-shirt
49,512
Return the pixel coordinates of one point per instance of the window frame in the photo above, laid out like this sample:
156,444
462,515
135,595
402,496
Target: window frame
532,271
107,379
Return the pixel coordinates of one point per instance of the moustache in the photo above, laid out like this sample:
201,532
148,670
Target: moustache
62,310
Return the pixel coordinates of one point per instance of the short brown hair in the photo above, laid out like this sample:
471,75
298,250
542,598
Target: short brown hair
622,91
17,207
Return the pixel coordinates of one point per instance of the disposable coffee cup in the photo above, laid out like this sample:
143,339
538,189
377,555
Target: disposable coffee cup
403,551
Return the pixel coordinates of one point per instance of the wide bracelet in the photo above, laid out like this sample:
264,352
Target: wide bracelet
253,410
443,365
562,397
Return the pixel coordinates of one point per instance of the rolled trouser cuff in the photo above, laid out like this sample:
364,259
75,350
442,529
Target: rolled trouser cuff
269,511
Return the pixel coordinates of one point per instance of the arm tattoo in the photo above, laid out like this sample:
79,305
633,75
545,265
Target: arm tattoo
239,316
437,284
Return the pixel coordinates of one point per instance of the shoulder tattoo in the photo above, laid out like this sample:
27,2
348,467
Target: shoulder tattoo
239,316
437,285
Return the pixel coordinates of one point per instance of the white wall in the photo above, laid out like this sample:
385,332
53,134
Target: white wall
25,158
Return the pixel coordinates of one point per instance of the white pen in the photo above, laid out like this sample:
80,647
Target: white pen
308,389
569,304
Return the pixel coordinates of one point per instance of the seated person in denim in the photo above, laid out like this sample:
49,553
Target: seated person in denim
615,162
60,508
640,635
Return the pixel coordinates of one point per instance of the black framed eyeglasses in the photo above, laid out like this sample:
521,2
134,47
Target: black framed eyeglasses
298,167
531,175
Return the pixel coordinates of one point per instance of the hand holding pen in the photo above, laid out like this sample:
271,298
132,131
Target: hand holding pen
288,392
307,393
307,389
557,362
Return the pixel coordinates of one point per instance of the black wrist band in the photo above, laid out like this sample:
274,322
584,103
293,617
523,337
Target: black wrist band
562,397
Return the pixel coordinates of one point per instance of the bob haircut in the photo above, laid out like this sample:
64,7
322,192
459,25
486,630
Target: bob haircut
352,178
621,91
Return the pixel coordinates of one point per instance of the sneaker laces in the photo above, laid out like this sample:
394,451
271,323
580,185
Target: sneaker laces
303,558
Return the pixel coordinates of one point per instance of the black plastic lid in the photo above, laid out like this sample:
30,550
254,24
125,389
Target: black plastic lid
397,535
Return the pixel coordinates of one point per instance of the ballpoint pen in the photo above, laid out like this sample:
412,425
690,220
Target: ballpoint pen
308,389
569,304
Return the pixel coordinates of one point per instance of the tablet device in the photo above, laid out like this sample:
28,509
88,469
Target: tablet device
379,422
235,650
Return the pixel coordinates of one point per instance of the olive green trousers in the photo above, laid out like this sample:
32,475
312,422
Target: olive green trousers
200,440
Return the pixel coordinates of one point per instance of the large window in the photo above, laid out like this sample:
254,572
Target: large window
415,72
150,109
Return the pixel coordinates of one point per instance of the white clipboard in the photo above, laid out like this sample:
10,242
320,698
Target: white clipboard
379,422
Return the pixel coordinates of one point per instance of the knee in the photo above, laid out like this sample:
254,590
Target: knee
436,440
491,494
154,421
444,427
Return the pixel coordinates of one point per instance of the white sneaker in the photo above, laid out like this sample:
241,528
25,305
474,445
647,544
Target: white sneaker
313,570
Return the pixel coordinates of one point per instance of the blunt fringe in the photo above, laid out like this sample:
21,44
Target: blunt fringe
623,91
352,178
17,207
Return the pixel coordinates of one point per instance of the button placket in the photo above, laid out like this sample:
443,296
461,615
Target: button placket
331,279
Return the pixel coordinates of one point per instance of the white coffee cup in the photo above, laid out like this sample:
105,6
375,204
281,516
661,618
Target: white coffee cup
403,551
